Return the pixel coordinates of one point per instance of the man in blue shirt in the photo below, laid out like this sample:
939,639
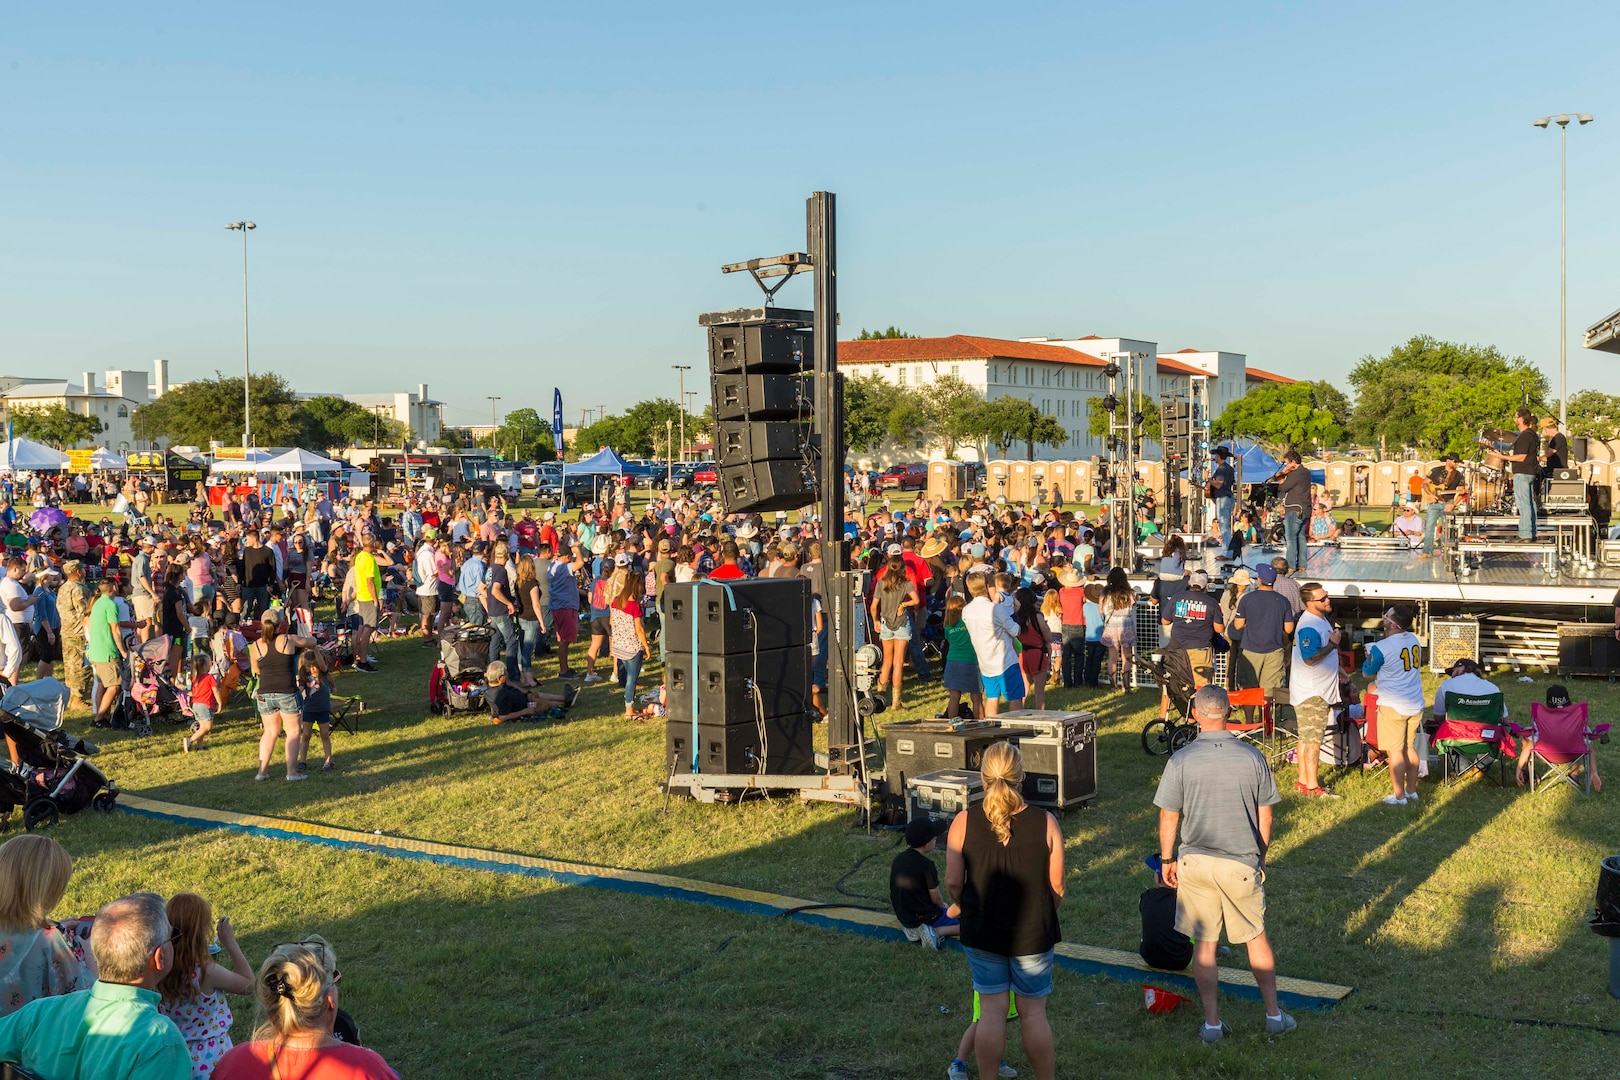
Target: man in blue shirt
113,1030
471,585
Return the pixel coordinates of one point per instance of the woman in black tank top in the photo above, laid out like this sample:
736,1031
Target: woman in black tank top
1004,867
275,661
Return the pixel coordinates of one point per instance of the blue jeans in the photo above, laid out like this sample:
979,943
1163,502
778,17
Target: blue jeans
255,602
919,662
503,643
818,663
1524,496
632,672
1294,525
1223,514
1433,514
530,630
1074,656
473,610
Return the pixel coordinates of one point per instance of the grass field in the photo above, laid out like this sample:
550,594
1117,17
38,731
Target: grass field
1460,923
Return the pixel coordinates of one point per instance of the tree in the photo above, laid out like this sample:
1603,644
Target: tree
1437,394
211,409
1281,416
55,424
331,422
526,435
882,335
1097,417
1010,419
643,425
1594,414
949,405
876,409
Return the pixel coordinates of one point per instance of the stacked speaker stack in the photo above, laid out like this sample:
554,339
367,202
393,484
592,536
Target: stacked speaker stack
745,647
759,368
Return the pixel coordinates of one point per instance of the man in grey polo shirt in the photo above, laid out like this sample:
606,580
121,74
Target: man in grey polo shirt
1219,791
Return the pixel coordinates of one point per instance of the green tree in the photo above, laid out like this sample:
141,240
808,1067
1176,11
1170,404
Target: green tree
525,435
1594,414
882,335
1097,417
643,425
949,404
876,409
1428,393
1010,419
211,409
1280,416
54,424
331,422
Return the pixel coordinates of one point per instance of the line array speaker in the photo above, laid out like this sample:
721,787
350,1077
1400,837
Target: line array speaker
762,397
769,613
759,349
771,484
737,442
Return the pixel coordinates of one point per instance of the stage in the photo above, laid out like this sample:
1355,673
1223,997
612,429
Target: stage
1518,578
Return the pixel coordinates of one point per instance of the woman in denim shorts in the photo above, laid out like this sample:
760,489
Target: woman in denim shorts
1004,865
275,661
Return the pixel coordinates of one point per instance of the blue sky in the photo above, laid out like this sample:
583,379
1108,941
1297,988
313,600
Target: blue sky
522,196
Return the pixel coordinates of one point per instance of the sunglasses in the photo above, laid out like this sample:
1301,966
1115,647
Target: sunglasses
319,949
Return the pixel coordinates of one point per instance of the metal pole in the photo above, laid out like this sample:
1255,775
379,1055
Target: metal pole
1563,263
493,398
247,378
680,372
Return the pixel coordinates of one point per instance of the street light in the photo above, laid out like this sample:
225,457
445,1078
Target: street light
680,371
492,398
247,398
1562,120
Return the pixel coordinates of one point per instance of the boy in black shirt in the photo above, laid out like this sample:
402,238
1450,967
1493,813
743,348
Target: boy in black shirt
914,886
1163,946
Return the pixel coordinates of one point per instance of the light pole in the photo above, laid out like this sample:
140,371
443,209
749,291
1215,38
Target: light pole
1562,120
680,375
247,398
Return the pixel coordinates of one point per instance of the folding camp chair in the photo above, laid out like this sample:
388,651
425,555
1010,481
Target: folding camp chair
344,712
1561,744
1472,736
1261,734
1374,758
1284,726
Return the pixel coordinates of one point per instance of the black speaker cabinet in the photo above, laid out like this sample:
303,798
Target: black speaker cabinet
1600,503
738,442
762,397
726,685
759,350
788,749
1587,649
1577,448
916,747
775,612
762,486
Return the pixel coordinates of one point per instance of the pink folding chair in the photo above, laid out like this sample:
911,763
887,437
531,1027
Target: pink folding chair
1561,745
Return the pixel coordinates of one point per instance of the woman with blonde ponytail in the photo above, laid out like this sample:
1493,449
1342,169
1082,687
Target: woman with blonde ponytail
297,995
1004,865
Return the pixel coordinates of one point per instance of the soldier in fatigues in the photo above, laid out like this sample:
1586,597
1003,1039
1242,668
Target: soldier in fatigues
73,604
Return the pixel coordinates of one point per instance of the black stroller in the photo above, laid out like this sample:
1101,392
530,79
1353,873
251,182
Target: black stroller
47,771
1172,672
458,683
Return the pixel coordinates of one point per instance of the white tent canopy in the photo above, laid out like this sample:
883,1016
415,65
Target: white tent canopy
104,458
252,462
300,462
24,453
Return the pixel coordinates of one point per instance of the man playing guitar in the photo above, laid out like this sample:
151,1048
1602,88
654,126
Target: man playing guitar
1523,456
1443,489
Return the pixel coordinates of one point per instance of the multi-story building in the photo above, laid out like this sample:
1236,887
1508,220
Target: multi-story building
1059,376
112,399
417,411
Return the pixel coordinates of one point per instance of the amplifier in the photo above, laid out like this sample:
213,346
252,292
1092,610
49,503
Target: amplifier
1060,758
914,747
789,748
771,613
762,397
1567,474
763,486
738,442
759,349
1587,649
1609,552
941,795
1570,493
727,684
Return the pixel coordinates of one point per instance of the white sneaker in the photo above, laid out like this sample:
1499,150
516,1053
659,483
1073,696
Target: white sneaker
1411,796
594,678
930,936
1391,800
1007,1071
956,1070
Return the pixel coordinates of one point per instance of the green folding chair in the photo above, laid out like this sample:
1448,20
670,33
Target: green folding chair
1470,736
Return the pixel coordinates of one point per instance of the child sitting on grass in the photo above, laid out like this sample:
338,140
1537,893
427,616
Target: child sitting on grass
193,989
914,887
204,702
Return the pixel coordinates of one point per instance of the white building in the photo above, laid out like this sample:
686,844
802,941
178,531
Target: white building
1056,375
112,399
417,411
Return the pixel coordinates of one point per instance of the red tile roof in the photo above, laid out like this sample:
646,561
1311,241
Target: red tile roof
1176,367
1189,350
1260,375
957,347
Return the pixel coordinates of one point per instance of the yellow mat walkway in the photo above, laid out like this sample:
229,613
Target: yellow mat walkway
1083,959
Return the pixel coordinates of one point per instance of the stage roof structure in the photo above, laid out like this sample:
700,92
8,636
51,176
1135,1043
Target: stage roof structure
1604,335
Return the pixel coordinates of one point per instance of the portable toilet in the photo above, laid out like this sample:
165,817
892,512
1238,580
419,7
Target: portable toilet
1386,484
1020,481
1340,482
1360,482
1081,487
1057,483
996,475
947,480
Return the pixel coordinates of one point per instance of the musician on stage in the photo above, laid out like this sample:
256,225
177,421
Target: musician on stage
1555,448
1443,489
1294,490
1524,456
1221,487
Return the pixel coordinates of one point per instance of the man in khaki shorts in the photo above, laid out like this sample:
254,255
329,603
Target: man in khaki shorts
1219,792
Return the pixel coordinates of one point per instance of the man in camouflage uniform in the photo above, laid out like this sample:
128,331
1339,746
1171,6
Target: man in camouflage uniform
73,605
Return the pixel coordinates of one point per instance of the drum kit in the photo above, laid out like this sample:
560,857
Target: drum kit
1491,475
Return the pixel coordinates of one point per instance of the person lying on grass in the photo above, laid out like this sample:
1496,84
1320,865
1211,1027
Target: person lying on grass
508,703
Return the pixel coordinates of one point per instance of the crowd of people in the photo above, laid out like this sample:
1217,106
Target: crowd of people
134,992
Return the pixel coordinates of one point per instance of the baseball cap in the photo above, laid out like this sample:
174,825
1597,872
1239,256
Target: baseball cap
622,559
71,565
1266,573
920,830
977,551
896,549
549,515
1198,579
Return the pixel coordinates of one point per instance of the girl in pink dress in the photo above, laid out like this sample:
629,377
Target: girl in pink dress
194,988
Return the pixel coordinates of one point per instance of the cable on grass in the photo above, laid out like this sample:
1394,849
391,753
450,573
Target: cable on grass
1523,1021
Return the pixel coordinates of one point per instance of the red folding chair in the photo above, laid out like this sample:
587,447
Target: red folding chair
1561,746
1261,733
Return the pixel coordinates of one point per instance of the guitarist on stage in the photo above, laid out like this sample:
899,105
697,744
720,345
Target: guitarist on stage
1524,456
1443,489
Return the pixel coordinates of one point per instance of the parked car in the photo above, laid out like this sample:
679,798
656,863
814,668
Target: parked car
904,477
704,472
534,475
582,487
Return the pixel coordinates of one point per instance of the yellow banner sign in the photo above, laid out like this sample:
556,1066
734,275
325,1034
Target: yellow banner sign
79,460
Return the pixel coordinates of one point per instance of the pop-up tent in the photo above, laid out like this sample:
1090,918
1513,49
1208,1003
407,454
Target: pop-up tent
104,460
1256,466
250,462
300,462
602,463
22,454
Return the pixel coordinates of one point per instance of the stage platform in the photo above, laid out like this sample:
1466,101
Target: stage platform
1516,578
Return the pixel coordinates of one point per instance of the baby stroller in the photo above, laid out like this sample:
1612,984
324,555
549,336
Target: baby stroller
1173,673
156,694
51,773
457,683
931,633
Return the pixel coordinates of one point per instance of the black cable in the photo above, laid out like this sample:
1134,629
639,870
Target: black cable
1526,1021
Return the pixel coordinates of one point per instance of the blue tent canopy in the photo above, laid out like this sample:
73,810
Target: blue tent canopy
1259,466
602,463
